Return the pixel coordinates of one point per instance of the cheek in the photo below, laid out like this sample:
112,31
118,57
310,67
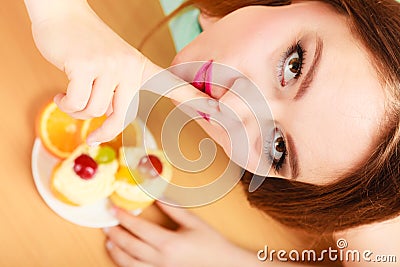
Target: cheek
206,21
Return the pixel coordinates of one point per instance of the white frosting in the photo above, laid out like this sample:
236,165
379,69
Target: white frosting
103,183
131,192
130,156
81,191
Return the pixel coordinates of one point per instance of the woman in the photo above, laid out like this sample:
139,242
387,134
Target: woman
329,70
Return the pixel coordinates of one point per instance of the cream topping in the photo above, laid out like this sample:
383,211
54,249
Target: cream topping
81,191
130,156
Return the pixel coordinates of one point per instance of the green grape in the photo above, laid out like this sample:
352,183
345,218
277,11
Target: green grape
106,154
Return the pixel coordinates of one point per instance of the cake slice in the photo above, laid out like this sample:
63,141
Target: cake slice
141,178
86,176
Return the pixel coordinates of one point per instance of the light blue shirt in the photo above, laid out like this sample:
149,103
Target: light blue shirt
184,27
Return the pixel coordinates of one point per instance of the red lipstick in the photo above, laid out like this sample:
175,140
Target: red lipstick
202,81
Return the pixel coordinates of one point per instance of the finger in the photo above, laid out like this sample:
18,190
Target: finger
234,103
121,258
246,100
181,216
77,95
194,98
235,111
210,125
100,98
109,109
115,123
169,85
57,98
246,105
130,244
149,232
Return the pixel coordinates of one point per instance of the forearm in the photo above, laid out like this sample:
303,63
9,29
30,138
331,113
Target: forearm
39,10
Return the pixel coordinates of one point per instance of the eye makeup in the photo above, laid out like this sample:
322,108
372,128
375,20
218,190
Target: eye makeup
291,64
275,149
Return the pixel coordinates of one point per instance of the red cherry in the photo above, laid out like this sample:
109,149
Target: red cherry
150,166
85,166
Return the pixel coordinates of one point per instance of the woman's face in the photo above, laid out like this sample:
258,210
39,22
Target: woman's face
322,90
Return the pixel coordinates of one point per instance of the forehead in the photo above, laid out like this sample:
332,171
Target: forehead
311,13
336,123
340,117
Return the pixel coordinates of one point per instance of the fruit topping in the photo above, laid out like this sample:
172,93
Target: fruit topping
105,155
85,166
149,166
59,133
124,174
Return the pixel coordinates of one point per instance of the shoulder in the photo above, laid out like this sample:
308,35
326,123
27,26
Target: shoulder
380,242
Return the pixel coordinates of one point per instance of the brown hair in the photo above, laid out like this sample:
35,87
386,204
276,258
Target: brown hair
371,193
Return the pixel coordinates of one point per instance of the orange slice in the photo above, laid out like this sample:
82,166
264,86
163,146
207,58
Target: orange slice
59,133
125,175
90,125
133,132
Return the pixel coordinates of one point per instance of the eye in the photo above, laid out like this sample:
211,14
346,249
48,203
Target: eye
279,146
276,150
292,64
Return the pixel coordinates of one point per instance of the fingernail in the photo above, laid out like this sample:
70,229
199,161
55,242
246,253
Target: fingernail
135,212
113,211
204,115
106,230
109,245
213,103
93,144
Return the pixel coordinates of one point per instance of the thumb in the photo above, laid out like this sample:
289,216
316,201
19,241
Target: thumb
181,216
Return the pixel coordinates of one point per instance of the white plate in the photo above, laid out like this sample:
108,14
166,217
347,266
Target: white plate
96,215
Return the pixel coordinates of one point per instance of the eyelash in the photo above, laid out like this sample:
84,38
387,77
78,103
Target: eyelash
276,164
295,47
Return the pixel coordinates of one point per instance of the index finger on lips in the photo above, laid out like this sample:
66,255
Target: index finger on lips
239,104
167,84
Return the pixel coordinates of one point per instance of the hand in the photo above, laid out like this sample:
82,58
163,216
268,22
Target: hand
104,71
137,242
241,114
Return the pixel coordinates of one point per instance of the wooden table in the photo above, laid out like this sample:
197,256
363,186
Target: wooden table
31,234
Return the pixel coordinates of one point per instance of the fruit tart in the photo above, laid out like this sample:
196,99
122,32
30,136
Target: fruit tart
86,176
142,177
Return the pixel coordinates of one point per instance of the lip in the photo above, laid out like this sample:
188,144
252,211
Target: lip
202,81
203,77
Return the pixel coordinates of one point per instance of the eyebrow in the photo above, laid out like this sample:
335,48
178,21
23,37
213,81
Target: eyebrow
309,77
293,159
304,86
